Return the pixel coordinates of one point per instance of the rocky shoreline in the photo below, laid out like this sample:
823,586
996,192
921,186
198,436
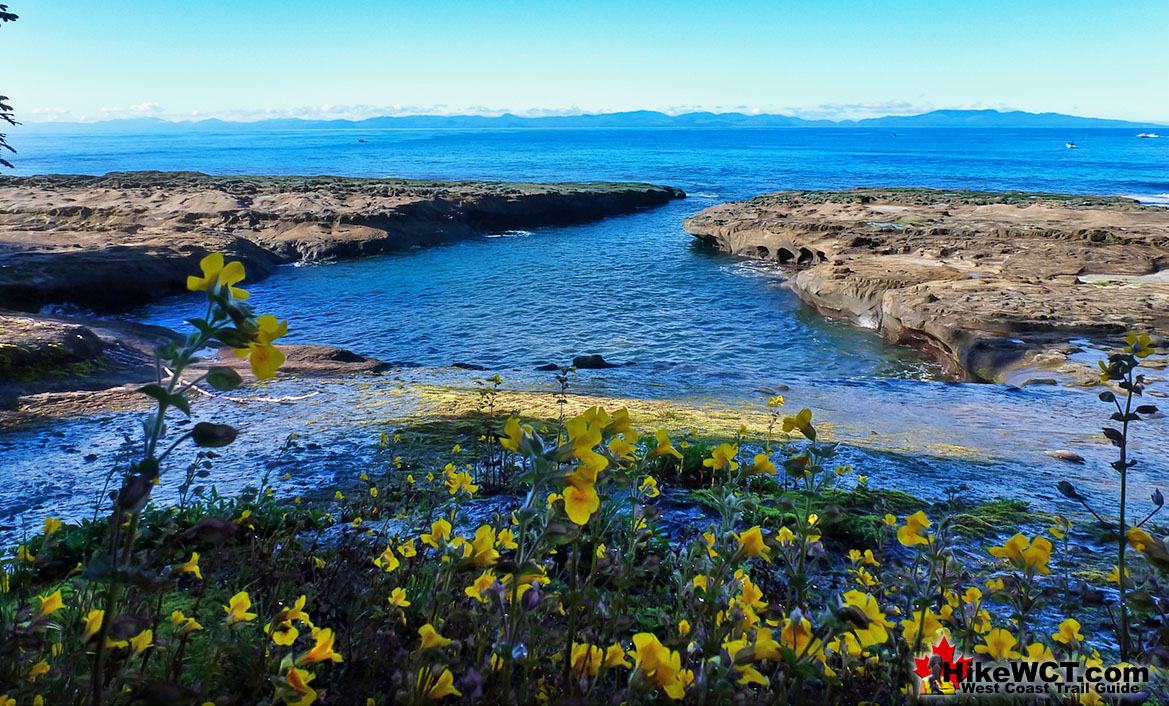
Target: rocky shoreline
998,287
115,241
112,242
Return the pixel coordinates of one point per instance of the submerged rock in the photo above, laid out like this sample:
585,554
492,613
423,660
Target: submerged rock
1065,455
592,362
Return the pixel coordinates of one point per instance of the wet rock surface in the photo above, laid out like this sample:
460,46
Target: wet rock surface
41,353
994,285
56,366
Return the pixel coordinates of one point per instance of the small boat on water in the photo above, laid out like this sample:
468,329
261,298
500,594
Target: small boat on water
1070,145
1148,134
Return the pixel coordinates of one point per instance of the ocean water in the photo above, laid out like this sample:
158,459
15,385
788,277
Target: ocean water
685,322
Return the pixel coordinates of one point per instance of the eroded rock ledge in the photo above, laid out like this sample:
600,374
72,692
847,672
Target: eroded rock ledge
117,240
995,286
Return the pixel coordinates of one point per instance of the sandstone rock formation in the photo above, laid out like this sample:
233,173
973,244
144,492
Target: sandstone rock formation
123,238
994,286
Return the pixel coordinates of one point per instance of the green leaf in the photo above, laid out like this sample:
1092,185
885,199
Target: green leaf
158,392
224,379
178,401
234,338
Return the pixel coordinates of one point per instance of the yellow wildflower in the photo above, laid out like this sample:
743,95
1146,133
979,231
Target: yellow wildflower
386,560
441,687
1140,345
708,537
191,566
264,357
37,670
586,658
931,628
751,543
580,502
798,637
298,680
801,421
476,590
659,663
1036,557
785,536
398,597
1139,539
876,632
514,432
431,638
762,466
322,650
483,547
440,531
216,272
237,608
1069,631
649,486
664,447
52,524
722,457
506,539
621,448
141,642
998,644
911,532
1011,549
50,604
93,620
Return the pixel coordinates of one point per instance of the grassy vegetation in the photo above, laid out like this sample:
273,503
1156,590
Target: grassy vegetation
508,555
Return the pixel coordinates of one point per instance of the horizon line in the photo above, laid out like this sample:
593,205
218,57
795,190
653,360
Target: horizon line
510,115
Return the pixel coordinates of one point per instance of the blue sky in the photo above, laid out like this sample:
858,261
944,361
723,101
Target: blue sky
85,60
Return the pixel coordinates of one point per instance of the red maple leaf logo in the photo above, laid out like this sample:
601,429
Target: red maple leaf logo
945,652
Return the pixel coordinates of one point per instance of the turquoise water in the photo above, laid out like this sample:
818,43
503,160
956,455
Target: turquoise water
685,322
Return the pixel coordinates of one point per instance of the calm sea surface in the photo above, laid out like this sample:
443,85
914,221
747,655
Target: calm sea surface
694,324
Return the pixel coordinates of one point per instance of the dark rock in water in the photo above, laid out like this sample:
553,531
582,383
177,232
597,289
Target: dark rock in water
1065,455
591,362
403,364
984,358
305,360
467,366
548,367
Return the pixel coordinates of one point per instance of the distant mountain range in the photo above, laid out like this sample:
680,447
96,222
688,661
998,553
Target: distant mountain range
632,119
